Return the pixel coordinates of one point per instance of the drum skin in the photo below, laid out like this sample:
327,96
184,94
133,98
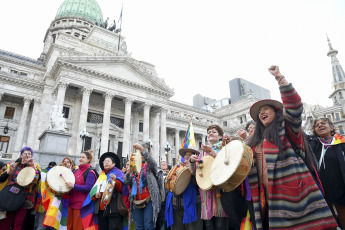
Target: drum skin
229,176
27,177
56,183
178,179
203,173
135,162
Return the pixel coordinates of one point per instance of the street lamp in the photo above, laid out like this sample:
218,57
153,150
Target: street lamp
167,147
83,135
151,143
6,129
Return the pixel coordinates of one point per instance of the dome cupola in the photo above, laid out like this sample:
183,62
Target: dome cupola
86,9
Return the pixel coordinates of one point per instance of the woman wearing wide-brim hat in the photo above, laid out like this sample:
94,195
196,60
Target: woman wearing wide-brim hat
283,192
108,214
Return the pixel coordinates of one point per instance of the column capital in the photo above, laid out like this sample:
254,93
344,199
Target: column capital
86,91
163,110
108,96
147,105
37,101
27,100
135,111
62,85
128,101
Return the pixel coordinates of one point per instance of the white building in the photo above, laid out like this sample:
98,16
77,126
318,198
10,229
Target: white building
98,86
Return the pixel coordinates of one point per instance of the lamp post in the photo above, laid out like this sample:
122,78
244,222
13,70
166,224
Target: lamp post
167,149
83,135
6,129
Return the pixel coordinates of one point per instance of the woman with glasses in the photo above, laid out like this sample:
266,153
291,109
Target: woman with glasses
9,177
329,149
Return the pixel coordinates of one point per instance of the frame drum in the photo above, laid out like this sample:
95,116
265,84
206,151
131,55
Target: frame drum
57,178
178,179
231,166
203,173
135,162
26,177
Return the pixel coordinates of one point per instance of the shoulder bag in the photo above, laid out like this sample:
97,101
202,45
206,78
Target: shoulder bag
12,197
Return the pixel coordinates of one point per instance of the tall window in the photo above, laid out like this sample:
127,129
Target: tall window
141,127
119,122
87,144
4,141
95,118
9,112
337,116
341,129
65,111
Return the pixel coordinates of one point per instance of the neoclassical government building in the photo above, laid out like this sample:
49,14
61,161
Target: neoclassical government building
87,73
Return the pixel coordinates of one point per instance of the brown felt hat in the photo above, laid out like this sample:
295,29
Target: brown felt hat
254,110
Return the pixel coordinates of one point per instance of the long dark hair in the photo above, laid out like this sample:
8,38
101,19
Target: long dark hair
270,132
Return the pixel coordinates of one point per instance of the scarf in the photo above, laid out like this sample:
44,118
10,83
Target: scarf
189,204
142,181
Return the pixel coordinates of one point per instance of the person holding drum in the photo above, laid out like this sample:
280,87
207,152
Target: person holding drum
283,191
184,210
144,198
80,190
11,177
211,208
106,208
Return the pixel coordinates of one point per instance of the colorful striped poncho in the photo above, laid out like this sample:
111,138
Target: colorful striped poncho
87,211
294,199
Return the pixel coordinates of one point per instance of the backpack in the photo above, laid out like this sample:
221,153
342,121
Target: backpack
88,170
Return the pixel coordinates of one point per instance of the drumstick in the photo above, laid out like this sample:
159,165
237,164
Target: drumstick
63,177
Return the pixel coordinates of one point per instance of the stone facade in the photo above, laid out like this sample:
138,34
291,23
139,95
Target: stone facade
119,100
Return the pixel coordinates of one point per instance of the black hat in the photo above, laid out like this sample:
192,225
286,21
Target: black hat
112,155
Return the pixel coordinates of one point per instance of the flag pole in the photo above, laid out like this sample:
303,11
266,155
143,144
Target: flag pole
120,19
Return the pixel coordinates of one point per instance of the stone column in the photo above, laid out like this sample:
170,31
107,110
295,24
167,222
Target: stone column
83,117
21,126
33,123
163,139
203,139
136,126
127,129
146,128
155,136
106,122
60,98
177,142
75,124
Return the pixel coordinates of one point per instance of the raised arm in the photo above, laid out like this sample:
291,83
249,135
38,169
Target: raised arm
292,103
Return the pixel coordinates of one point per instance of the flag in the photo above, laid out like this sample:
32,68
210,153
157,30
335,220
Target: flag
87,211
56,216
189,140
120,18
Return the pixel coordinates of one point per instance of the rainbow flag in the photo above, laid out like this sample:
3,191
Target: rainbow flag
87,211
189,140
57,212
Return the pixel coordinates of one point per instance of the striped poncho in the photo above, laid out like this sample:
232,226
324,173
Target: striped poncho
294,199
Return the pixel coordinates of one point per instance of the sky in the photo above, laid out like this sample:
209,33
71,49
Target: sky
197,47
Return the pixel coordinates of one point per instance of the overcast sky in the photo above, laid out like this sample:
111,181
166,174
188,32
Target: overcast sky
199,46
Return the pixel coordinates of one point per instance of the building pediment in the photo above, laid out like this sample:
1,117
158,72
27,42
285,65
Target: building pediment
124,70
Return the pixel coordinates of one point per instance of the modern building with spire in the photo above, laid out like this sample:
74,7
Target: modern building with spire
86,91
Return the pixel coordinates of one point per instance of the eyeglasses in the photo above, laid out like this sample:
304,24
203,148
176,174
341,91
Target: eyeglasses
106,162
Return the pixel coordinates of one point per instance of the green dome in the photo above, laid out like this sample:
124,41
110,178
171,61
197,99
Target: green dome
86,9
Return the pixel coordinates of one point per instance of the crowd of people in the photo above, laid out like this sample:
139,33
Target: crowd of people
296,181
